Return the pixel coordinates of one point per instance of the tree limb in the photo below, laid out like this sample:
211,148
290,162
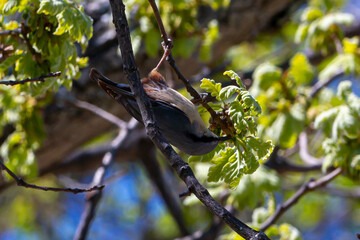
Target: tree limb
93,199
309,186
304,152
37,79
20,182
182,169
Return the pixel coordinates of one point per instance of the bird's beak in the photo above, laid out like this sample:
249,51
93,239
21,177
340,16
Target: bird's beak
109,87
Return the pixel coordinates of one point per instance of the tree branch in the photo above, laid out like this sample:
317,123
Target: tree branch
197,97
282,164
100,112
37,79
321,84
309,186
304,152
93,199
182,169
20,182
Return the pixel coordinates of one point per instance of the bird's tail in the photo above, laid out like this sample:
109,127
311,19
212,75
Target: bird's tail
113,89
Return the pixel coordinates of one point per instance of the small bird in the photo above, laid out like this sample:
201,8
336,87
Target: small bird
177,117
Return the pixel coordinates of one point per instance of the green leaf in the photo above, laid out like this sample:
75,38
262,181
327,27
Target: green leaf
346,124
237,115
285,129
250,161
288,232
300,69
344,89
210,37
310,14
266,74
204,158
234,76
355,162
349,63
337,18
326,117
301,33
263,148
52,7
227,92
9,61
250,101
10,6
216,172
354,103
253,189
211,87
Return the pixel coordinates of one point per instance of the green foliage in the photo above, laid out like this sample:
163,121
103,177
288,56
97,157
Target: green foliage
285,232
242,156
180,21
45,44
300,69
348,61
318,29
342,128
284,115
212,34
253,189
211,87
265,75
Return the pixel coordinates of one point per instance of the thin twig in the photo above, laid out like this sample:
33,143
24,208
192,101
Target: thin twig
197,97
309,186
37,79
182,169
100,112
20,182
321,84
93,199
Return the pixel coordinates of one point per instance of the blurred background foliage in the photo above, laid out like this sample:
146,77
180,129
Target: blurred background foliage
312,42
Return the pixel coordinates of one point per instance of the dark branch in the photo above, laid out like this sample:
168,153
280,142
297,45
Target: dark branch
151,164
93,199
37,79
197,97
20,182
182,169
309,186
283,165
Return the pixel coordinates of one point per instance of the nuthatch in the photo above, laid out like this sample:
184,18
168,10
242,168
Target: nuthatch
177,117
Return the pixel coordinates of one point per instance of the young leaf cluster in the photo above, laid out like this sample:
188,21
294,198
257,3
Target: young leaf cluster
44,33
318,28
341,125
242,155
276,91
